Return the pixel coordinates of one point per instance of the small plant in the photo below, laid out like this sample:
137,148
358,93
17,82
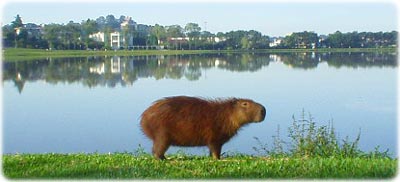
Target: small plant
277,149
309,140
140,151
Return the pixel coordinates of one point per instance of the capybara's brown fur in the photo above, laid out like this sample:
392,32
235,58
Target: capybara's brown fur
192,121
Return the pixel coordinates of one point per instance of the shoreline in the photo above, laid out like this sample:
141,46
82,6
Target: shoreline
22,54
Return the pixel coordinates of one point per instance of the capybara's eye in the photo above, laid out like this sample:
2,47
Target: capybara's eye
245,104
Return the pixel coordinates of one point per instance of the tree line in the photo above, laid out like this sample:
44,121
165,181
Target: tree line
77,36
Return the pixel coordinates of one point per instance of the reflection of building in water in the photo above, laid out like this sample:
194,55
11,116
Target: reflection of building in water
99,69
116,64
274,57
218,62
110,71
19,77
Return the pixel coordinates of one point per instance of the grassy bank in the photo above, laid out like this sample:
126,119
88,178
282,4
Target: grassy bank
20,54
125,165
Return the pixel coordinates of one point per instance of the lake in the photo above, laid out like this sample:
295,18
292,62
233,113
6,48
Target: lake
93,104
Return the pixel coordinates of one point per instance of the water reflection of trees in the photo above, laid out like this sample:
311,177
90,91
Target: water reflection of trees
113,71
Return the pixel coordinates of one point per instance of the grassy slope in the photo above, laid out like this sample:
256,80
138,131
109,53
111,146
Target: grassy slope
125,165
19,54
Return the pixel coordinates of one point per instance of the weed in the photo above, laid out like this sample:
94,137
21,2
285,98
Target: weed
309,140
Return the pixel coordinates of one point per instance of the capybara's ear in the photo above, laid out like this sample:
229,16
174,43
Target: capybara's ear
235,100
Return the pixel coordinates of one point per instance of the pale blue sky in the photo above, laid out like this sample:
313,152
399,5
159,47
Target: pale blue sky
273,19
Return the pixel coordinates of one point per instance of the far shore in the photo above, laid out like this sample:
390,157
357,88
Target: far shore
22,54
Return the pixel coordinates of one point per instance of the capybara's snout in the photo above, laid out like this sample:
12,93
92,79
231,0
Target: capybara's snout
261,114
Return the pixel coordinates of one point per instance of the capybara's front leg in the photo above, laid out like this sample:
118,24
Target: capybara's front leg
215,150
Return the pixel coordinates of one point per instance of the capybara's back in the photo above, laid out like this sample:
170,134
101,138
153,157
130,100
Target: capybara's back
191,121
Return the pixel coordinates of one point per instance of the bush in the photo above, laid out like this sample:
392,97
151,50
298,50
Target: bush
309,140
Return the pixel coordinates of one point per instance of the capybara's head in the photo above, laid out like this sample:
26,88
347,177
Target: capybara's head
247,111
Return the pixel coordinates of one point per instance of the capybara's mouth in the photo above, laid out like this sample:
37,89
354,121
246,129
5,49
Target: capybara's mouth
262,114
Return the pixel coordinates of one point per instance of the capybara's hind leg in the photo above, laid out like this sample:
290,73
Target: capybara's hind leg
215,150
159,149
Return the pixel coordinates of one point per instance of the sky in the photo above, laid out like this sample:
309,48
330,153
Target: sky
269,18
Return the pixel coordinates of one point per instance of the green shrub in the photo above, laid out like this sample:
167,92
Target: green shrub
309,140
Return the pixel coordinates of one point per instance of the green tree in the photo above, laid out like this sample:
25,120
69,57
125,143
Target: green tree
52,34
17,23
127,34
107,38
234,39
245,43
8,36
20,35
88,27
335,40
72,35
193,32
112,22
174,31
159,32
301,40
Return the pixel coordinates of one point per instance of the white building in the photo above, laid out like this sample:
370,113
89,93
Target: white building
118,39
99,36
275,42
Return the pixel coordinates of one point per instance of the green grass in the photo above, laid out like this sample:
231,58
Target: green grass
21,54
129,166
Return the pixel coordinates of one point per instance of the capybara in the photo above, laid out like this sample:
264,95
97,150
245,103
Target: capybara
192,121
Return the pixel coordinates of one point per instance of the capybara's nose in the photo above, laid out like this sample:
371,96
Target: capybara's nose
263,112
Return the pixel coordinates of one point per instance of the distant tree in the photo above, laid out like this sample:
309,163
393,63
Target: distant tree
20,34
257,40
245,43
107,38
174,31
127,34
206,40
335,40
159,32
88,27
17,23
72,35
101,23
52,33
193,32
301,40
8,36
122,18
234,39
112,23
151,40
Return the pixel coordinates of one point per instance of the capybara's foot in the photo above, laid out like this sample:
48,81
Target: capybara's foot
159,157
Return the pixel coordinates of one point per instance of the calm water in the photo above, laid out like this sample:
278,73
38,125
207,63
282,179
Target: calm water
93,104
